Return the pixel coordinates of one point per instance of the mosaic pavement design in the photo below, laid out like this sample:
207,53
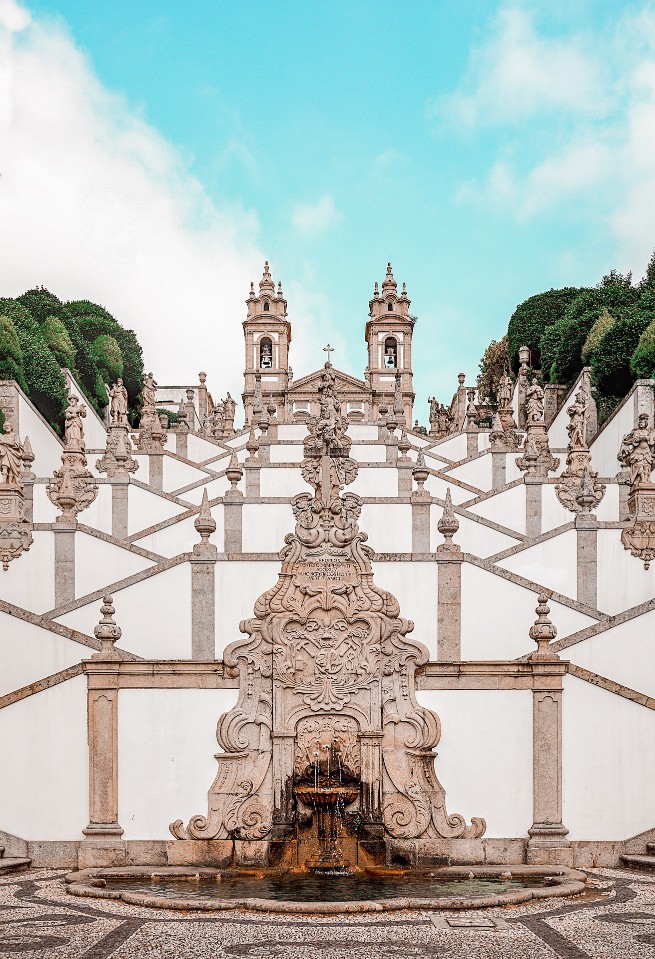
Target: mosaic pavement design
615,919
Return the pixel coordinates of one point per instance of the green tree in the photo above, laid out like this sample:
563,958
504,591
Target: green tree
56,336
492,366
532,317
642,363
108,356
11,355
648,280
610,365
596,333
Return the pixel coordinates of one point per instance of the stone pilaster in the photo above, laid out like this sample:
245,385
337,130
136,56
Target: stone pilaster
498,468
64,532
182,440
103,846
203,587
252,466
449,587
421,500
119,505
203,408
547,844
233,508
27,478
156,470
587,532
533,505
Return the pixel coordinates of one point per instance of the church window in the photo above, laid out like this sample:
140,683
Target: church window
390,353
389,306
265,353
267,306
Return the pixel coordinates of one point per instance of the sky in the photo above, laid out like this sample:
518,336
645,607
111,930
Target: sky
153,155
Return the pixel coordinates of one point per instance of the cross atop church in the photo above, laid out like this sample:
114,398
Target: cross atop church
328,349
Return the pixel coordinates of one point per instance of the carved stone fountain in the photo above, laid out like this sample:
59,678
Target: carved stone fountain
327,730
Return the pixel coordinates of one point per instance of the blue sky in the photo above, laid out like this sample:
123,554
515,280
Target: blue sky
490,150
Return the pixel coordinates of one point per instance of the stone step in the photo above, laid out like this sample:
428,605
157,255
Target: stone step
650,848
9,864
2,851
639,862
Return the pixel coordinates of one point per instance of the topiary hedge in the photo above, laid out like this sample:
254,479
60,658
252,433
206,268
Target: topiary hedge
532,317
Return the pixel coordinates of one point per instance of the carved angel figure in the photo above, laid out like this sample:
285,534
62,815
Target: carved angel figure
577,427
638,452
74,428
11,455
118,403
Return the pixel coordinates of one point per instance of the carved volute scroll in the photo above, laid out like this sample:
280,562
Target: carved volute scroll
327,658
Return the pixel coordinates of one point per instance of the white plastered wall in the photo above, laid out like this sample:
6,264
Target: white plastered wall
98,563
30,580
622,580
476,473
146,509
484,771
607,773
506,508
472,537
154,614
238,587
415,587
178,474
286,454
264,527
44,756
181,535
389,527
553,562
489,632
623,653
166,764
46,447
375,481
28,653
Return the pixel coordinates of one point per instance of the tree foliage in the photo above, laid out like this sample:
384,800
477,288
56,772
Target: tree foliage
604,322
531,318
642,363
80,335
492,366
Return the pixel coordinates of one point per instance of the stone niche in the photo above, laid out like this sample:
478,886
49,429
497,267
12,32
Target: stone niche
327,721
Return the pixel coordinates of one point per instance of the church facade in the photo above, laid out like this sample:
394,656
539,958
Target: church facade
196,616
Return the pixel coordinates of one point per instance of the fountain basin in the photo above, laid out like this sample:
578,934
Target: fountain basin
291,891
327,795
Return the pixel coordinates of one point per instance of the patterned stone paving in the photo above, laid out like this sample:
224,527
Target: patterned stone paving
615,919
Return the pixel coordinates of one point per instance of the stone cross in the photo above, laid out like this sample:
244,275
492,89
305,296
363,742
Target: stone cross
328,349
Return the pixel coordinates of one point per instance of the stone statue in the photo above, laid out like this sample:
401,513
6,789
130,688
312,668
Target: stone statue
118,403
149,390
638,452
577,428
74,428
11,455
505,391
534,401
217,415
229,410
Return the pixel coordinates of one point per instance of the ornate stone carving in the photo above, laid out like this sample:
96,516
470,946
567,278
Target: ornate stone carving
537,459
578,459
637,453
107,631
504,437
327,656
117,458
73,486
15,528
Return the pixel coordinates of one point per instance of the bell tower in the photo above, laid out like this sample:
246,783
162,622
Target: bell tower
389,340
267,335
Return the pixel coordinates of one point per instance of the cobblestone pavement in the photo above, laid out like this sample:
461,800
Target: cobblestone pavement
615,919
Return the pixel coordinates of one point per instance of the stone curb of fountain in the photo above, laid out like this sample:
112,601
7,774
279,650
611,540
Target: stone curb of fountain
562,882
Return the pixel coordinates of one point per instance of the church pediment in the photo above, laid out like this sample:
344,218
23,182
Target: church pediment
344,382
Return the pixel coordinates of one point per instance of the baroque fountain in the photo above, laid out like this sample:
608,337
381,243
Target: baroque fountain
327,767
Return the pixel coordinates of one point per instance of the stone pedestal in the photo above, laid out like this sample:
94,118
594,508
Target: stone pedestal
421,521
252,471
103,829
405,479
156,470
471,442
182,442
233,513
498,469
639,536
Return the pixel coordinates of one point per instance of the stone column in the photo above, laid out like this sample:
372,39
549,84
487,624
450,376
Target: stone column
27,478
252,466
371,757
471,442
233,509
449,588
586,526
64,531
104,846
533,501
203,587
547,844
421,501
202,397
119,510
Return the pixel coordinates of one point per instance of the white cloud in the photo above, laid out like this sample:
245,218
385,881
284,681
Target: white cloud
593,152
94,203
311,218
516,74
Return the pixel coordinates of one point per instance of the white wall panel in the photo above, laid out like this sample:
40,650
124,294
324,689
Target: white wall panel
30,580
